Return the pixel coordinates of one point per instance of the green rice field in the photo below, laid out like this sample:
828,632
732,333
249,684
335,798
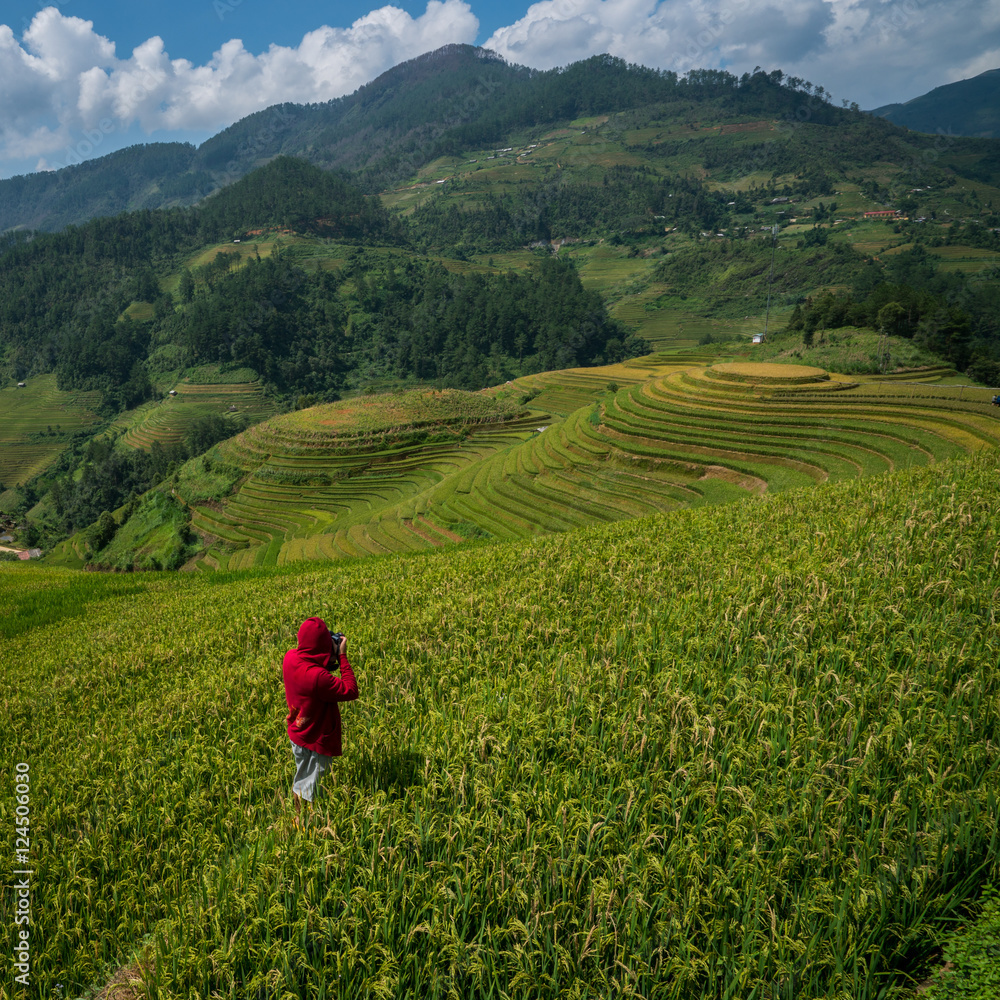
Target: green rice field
236,395
37,422
742,751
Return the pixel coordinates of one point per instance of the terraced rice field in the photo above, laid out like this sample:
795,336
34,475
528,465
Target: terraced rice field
969,260
168,420
35,423
317,481
594,445
929,375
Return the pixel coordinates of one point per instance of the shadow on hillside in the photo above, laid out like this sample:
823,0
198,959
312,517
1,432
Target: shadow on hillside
389,768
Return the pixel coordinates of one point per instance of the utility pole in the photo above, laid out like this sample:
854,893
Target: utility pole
774,244
882,351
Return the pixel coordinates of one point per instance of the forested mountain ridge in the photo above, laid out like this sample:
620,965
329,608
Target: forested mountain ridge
409,103
455,98
154,175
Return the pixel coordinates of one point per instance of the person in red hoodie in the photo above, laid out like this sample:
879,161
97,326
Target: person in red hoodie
313,691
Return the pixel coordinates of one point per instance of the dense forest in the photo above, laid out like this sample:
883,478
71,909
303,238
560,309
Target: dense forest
63,300
315,333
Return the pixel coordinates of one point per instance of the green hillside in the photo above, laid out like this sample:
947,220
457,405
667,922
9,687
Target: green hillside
742,751
38,420
458,99
575,218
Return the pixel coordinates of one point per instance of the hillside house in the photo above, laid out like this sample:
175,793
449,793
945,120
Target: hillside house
758,338
21,385
882,213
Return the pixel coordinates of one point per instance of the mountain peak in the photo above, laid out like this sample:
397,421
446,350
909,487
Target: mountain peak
967,107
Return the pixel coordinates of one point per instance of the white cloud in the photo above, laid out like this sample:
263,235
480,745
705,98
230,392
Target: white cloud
673,34
869,51
63,82
978,64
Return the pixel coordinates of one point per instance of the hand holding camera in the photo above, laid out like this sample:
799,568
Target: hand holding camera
339,643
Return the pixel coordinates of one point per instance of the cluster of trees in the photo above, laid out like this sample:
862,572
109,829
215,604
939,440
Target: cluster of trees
63,297
94,477
293,194
271,316
911,297
470,330
382,316
603,84
624,199
898,310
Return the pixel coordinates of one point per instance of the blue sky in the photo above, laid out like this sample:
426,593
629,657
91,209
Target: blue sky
80,78
194,29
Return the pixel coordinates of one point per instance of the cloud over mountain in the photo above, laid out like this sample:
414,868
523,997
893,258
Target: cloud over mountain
862,50
671,34
64,80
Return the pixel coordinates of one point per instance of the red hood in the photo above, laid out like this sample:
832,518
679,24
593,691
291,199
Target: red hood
314,641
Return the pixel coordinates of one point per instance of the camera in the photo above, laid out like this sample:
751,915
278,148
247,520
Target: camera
336,637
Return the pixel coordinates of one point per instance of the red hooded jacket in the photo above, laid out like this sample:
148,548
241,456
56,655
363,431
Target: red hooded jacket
312,691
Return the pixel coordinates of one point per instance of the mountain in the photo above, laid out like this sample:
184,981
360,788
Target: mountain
156,175
968,107
407,106
386,128
455,98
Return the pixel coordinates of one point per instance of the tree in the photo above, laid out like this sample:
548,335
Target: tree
892,320
102,531
186,287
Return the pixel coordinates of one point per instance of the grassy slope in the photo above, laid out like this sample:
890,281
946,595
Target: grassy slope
738,751
628,279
